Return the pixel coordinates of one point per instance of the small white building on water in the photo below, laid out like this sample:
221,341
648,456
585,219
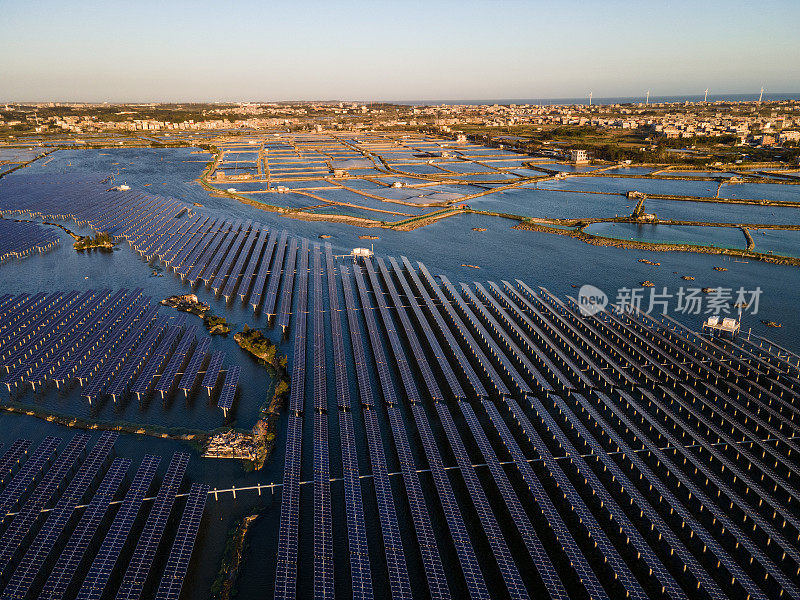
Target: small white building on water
578,156
362,252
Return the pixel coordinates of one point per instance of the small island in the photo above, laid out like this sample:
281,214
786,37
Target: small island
263,433
191,304
101,241
256,344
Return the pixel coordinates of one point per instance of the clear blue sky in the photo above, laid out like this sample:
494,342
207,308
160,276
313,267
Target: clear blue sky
176,50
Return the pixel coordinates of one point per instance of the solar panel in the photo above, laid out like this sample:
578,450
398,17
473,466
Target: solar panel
140,562
485,337
508,569
103,564
738,575
235,272
212,372
379,356
275,273
428,334
44,491
156,361
411,336
199,261
23,478
176,361
233,251
70,557
12,457
263,271
216,262
195,364
198,247
115,364
399,582
548,335
461,330
178,561
297,389
437,582
607,501
735,474
323,535
228,392
131,366
455,522
249,271
286,567
536,549
583,571
284,316
58,519
543,362
356,341
578,505
318,308
723,513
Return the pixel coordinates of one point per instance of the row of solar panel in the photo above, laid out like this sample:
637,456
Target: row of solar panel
20,239
225,256
63,480
108,343
555,353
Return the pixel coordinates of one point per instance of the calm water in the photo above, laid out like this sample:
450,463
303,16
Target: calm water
556,262
726,237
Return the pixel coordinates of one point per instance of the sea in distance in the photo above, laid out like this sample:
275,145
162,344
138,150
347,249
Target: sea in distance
768,97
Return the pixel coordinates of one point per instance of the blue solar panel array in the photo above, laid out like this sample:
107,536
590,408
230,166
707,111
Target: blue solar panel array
20,239
108,343
64,494
614,455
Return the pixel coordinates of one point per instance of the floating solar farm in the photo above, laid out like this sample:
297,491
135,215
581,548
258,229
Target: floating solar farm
560,455
68,511
493,440
241,258
109,343
20,239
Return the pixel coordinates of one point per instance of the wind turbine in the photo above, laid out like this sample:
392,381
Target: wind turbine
647,99
705,99
590,98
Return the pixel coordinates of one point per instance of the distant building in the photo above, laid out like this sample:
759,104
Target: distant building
578,156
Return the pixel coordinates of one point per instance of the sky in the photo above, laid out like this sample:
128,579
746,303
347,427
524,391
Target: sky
250,50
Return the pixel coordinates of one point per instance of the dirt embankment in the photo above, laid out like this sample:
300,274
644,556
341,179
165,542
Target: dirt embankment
660,247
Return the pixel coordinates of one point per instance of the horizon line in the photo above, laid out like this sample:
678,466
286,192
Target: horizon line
529,100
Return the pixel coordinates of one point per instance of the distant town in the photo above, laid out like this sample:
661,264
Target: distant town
699,133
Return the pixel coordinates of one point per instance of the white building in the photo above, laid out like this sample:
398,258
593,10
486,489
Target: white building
578,156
